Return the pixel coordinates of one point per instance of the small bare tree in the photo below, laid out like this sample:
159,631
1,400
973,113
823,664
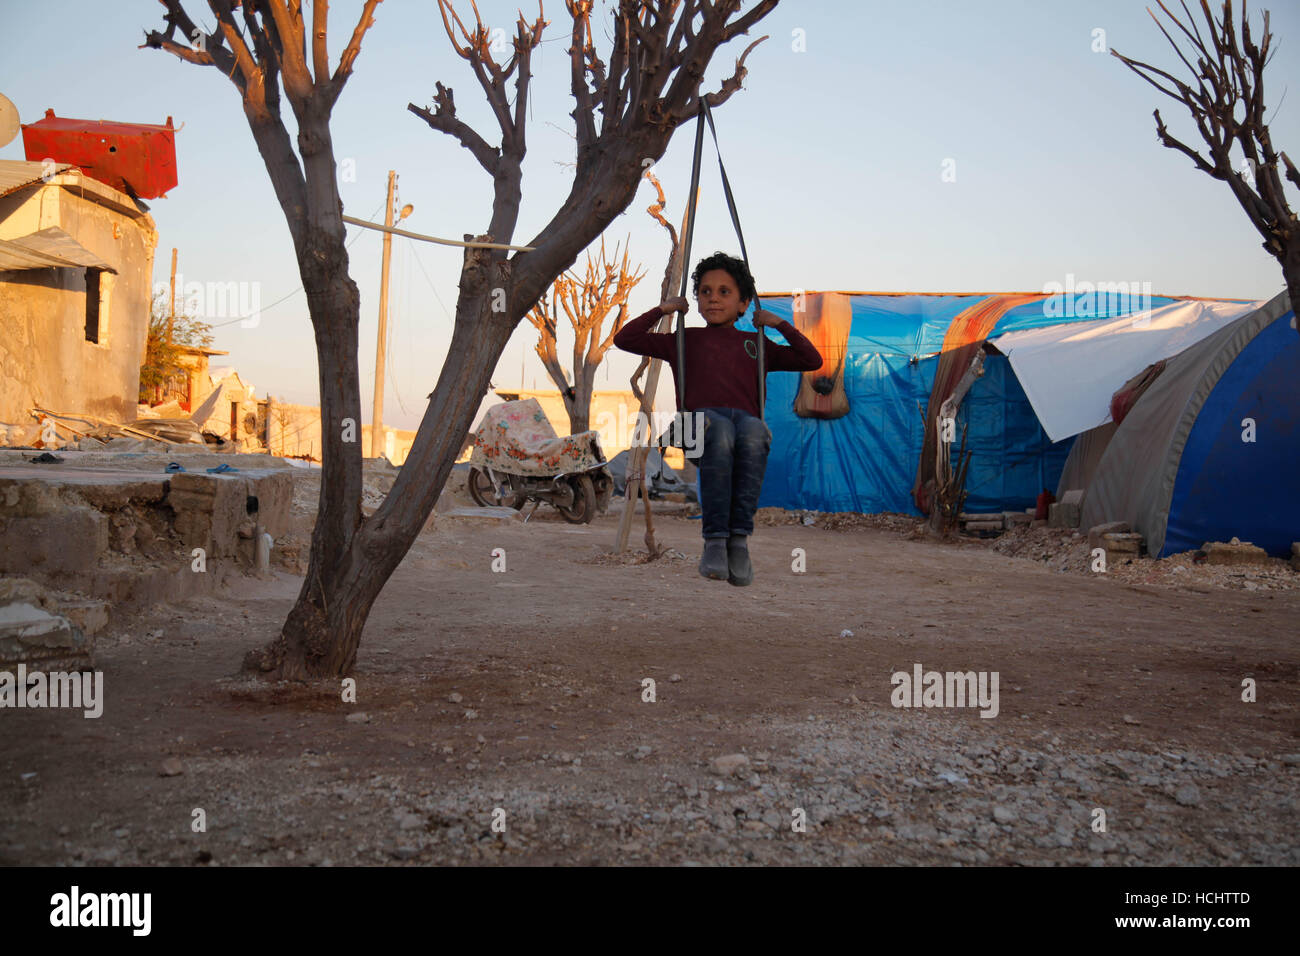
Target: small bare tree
586,300
626,113
1227,104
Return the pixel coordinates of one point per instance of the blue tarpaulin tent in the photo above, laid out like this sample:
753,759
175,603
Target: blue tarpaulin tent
1211,450
867,460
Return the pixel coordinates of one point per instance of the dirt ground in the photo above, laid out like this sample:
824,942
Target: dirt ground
499,715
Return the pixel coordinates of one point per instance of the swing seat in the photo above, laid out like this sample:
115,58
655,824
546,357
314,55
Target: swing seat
518,439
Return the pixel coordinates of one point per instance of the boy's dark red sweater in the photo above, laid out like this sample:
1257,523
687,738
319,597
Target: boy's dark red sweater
720,359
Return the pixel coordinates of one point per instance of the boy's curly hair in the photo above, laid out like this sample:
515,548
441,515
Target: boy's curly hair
734,267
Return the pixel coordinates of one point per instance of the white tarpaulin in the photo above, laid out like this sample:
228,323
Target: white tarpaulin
1069,372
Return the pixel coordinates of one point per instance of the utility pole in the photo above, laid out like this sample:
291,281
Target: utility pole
171,308
377,443
377,417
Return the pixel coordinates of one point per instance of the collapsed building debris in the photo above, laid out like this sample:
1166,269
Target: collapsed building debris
121,530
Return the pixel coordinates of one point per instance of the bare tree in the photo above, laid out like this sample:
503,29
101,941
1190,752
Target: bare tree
647,375
586,300
660,52
1227,105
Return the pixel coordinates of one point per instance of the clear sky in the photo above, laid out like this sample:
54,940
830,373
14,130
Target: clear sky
836,155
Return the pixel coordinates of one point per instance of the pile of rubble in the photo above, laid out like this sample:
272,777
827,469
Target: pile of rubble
1067,550
1233,565
154,431
840,520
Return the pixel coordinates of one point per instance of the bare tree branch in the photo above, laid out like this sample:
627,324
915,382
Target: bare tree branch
319,48
344,69
293,58
1229,76
443,118
586,301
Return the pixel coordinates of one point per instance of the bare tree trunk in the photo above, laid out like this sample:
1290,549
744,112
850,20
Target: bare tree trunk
580,414
344,577
1291,272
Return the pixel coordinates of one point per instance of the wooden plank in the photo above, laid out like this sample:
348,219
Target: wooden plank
102,421
637,454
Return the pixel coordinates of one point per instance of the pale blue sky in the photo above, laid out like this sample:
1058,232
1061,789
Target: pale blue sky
836,156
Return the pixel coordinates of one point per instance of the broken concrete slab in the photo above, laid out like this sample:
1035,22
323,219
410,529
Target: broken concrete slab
1110,527
1073,497
88,615
29,634
1121,543
1233,552
1012,519
499,515
1062,514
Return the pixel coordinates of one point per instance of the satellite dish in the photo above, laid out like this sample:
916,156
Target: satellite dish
9,125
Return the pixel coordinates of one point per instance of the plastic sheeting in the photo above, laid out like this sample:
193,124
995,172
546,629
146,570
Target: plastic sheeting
1178,469
1070,371
1227,486
866,461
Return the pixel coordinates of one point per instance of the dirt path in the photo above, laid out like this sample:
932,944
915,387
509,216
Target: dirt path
522,690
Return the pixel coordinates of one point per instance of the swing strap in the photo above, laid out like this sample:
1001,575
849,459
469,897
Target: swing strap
706,114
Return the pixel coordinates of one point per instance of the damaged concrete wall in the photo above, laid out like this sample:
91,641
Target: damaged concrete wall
120,529
44,356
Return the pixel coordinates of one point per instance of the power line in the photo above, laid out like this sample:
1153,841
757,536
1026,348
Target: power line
359,234
432,287
405,286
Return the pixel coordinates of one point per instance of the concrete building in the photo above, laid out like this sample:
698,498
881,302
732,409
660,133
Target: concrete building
235,415
192,383
76,267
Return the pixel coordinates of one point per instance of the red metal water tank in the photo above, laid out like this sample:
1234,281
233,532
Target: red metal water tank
137,158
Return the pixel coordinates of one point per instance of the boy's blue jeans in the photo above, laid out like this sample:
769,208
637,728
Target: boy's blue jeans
732,465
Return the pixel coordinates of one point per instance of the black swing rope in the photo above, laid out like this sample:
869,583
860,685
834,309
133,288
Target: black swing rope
706,114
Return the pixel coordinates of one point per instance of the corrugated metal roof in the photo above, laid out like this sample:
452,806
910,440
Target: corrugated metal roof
16,173
45,249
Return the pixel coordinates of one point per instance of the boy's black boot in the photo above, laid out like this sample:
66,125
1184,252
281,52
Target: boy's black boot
714,562
740,571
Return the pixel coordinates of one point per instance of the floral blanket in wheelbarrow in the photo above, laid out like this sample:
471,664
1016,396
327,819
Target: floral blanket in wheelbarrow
517,438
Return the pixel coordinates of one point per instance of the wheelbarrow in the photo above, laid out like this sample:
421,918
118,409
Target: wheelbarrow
517,457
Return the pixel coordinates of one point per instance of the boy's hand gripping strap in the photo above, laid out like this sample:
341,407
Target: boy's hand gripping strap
707,114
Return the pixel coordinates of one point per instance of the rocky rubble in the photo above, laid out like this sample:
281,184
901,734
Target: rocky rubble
867,789
1068,552
1236,566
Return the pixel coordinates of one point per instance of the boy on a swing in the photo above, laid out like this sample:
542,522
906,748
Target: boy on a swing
722,387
